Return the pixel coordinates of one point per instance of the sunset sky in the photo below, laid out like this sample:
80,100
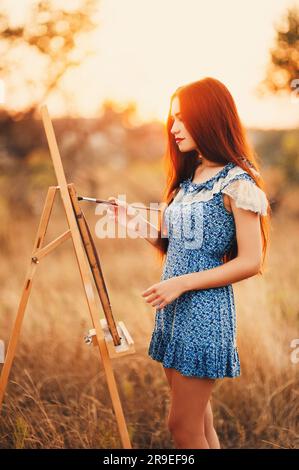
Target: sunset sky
147,48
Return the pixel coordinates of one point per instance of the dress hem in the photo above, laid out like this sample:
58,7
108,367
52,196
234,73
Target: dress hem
193,375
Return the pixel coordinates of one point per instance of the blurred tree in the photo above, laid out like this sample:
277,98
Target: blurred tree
50,43
282,74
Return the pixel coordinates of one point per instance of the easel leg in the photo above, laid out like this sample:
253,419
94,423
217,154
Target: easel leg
102,291
12,345
85,275
104,353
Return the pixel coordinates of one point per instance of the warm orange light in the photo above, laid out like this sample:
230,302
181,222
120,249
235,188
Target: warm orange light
147,49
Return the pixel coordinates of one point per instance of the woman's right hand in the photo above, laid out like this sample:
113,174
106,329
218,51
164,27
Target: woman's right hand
124,213
119,211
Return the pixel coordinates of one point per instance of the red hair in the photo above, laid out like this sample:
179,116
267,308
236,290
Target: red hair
210,116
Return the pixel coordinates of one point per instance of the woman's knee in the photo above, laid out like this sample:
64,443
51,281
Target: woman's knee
180,426
206,423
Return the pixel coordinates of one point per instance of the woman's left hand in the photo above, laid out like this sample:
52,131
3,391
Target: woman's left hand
164,292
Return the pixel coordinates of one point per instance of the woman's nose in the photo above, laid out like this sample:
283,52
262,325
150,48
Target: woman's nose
173,129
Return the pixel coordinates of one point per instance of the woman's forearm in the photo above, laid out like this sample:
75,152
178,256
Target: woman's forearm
233,271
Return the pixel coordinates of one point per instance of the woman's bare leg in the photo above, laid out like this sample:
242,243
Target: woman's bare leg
190,396
168,373
210,432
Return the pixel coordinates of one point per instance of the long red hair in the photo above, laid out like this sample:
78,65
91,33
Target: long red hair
210,115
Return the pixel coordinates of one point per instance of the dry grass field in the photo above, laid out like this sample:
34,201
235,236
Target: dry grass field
57,395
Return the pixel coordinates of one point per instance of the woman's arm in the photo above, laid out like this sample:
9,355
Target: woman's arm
138,225
246,264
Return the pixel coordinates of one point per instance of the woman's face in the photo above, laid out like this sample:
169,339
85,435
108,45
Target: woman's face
178,129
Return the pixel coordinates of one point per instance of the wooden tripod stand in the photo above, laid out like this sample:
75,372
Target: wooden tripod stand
112,340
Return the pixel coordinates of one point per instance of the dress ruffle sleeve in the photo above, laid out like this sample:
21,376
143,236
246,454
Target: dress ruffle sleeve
247,195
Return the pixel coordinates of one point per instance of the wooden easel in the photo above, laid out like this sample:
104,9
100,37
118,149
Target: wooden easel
112,340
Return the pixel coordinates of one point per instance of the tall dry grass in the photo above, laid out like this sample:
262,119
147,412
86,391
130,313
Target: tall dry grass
57,395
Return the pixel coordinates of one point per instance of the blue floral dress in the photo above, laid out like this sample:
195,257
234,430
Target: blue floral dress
196,333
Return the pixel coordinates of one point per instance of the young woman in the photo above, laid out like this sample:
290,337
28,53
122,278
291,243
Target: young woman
214,232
